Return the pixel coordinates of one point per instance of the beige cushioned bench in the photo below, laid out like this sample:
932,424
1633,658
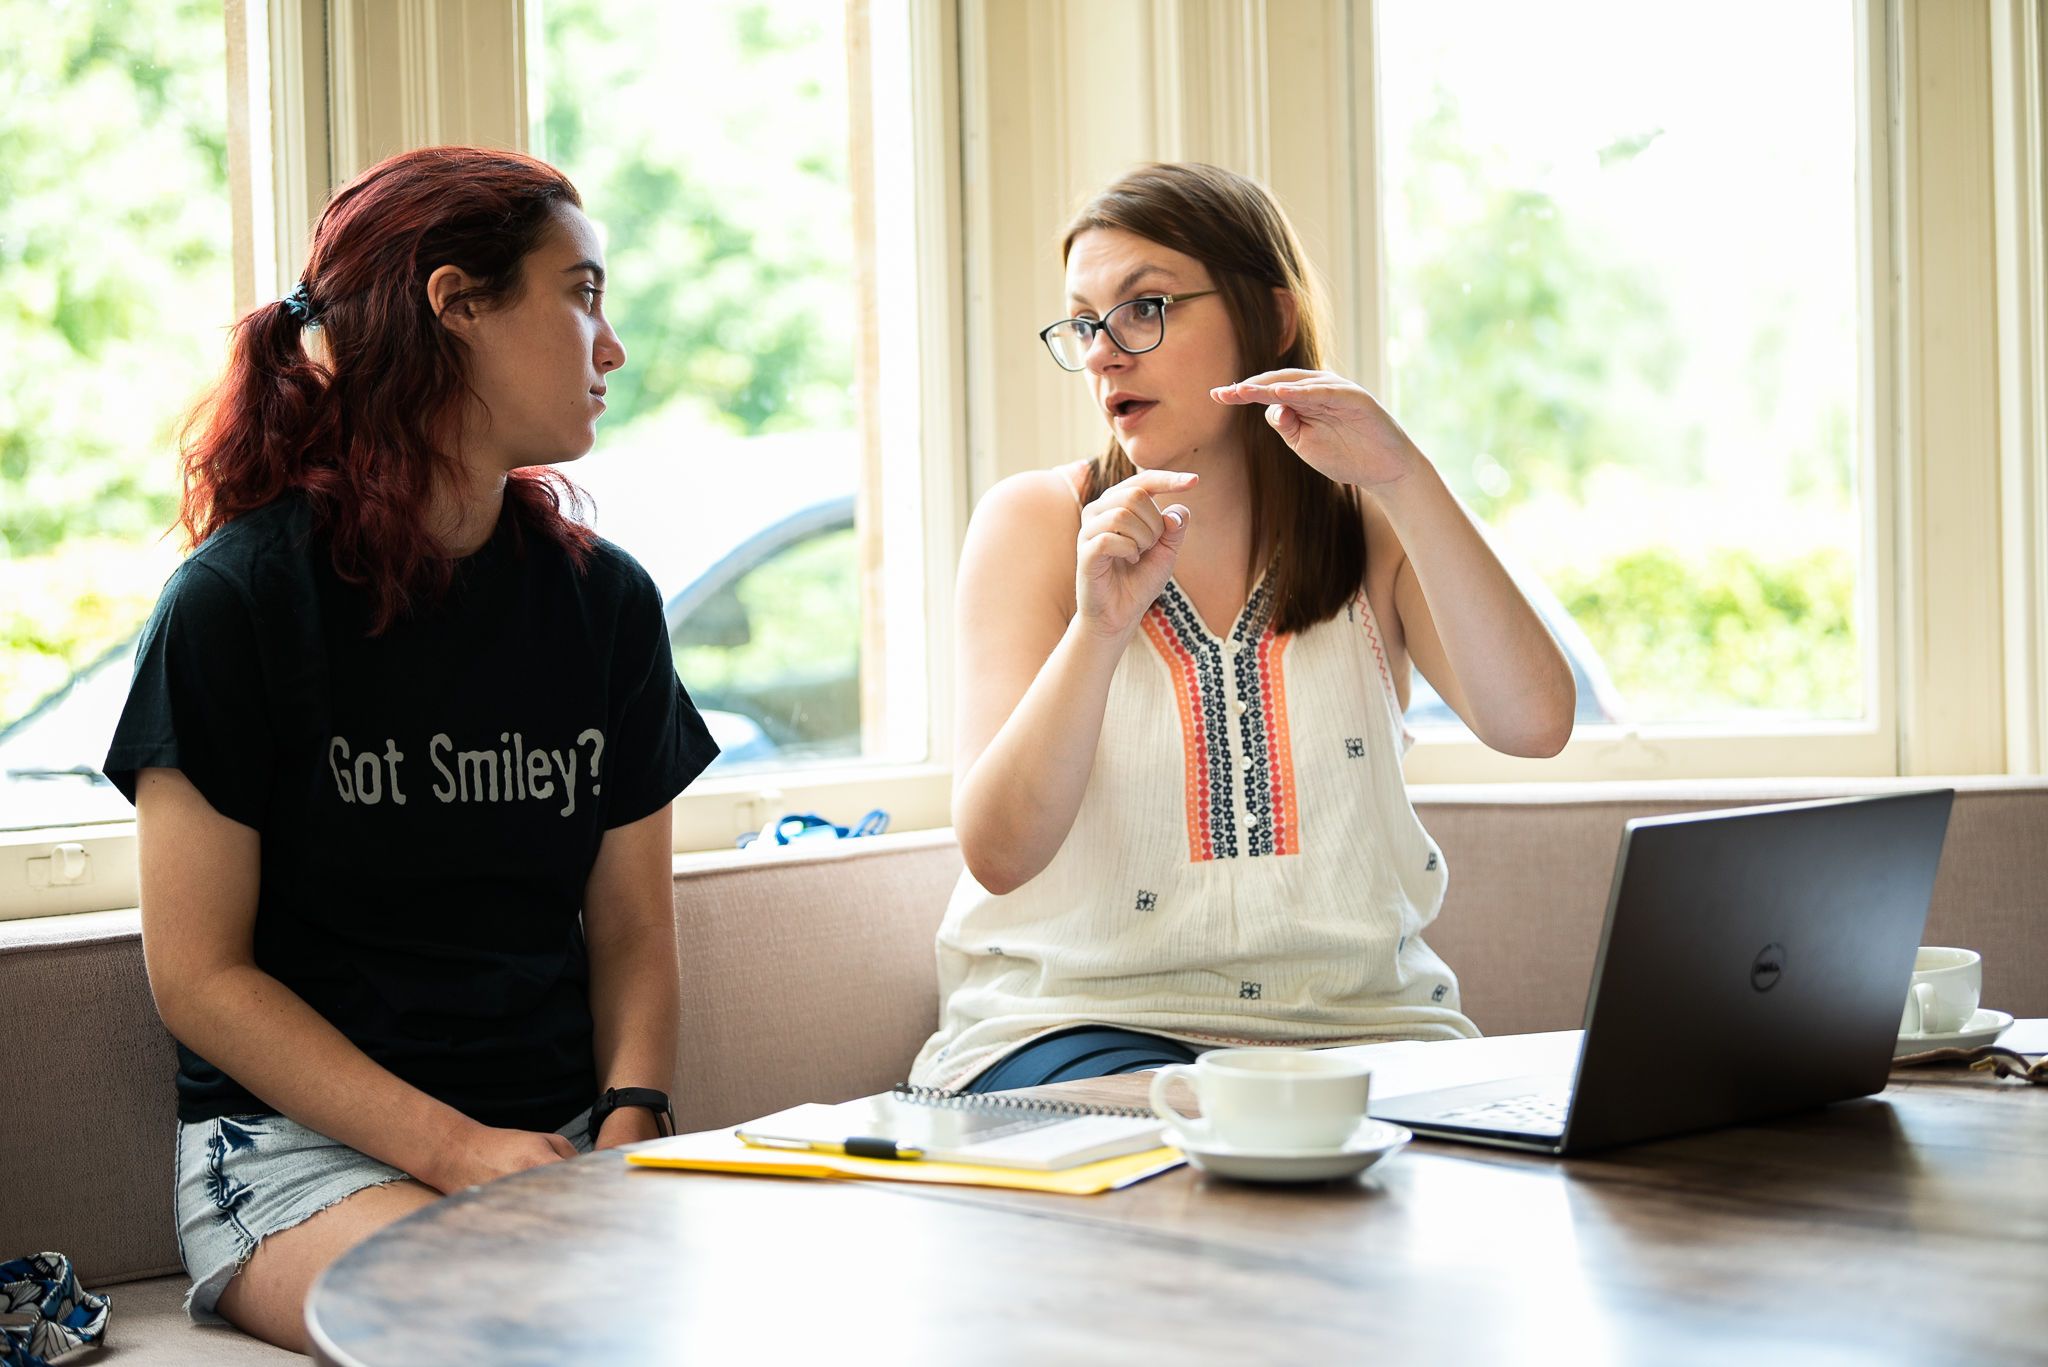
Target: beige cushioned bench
808,975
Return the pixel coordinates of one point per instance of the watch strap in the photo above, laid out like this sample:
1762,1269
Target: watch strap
646,1098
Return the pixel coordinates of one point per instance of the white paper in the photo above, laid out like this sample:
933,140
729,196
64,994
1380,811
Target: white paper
1408,1066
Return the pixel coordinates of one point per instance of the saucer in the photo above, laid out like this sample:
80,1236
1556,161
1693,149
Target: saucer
1368,1144
1982,1028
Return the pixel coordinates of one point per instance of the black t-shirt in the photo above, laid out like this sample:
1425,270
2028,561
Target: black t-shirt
430,800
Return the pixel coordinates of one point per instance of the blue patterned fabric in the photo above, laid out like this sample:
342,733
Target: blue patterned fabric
50,1316
810,826
1081,1052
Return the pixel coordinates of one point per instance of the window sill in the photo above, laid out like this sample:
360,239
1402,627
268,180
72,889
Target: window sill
715,812
33,873
1625,754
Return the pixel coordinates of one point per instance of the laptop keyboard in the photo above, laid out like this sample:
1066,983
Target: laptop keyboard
1535,1111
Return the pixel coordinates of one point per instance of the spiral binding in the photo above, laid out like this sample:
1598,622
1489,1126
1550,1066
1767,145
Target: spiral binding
997,1101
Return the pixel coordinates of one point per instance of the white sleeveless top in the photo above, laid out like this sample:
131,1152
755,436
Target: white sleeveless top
1245,867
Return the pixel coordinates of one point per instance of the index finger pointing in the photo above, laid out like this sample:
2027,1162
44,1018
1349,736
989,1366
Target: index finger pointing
1251,391
1265,386
1160,481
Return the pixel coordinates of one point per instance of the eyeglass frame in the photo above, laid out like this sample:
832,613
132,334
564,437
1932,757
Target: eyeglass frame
1096,325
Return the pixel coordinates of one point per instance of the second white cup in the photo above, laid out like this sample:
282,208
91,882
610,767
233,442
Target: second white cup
1943,994
1268,1100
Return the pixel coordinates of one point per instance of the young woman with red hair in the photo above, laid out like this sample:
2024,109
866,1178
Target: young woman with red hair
403,741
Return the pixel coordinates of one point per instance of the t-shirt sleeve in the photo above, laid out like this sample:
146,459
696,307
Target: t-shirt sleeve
196,703
662,742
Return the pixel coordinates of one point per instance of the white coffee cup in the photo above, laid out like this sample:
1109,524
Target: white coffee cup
1943,994
1267,1100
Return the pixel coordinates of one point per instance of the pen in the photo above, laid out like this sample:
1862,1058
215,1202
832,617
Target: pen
859,1146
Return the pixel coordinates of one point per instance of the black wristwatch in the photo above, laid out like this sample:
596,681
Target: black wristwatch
612,1098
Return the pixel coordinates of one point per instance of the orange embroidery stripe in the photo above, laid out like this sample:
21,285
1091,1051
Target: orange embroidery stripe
1372,634
1279,749
1193,734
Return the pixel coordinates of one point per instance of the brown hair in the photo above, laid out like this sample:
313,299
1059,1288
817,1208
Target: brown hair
1306,525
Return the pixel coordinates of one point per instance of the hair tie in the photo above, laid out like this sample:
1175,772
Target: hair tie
299,303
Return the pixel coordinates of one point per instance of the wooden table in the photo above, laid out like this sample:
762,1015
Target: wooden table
1910,1227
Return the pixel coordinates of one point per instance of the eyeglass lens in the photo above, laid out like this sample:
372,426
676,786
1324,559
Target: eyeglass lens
1134,326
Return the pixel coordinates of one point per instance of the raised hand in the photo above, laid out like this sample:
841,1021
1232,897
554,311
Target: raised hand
1331,423
1126,550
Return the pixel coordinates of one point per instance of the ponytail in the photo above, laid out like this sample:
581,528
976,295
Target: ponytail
246,442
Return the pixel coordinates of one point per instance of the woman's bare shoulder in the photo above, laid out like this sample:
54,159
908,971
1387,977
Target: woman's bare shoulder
1023,533
1037,506
1050,494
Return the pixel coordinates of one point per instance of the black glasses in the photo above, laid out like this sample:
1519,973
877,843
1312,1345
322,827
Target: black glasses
1135,326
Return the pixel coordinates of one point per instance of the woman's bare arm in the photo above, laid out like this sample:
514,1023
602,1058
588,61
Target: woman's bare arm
199,895
1033,663
1466,625
635,989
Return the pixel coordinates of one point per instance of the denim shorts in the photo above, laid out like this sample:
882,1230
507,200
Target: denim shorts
243,1178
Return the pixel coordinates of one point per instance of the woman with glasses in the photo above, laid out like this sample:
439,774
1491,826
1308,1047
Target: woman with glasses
402,740
1182,668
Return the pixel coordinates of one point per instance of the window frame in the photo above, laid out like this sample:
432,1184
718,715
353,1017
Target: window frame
999,151
319,89
1956,675
398,83
910,402
1868,747
2019,115
261,39
1231,83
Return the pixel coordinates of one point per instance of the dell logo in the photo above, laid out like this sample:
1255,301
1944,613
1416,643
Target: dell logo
1768,968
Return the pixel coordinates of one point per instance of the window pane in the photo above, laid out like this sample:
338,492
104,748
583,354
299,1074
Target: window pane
1623,310
710,143
115,290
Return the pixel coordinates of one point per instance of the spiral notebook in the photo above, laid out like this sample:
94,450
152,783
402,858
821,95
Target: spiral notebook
797,1155
925,1124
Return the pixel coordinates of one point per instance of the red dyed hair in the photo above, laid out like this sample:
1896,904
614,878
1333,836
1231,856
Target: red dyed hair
360,434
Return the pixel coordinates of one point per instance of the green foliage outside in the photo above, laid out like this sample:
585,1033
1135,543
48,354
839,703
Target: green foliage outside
1723,635
1541,355
114,292
1536,360
709,140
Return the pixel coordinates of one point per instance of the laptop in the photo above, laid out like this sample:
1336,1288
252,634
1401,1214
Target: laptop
1753,964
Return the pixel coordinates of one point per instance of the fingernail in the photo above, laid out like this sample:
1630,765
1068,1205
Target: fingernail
1174,516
